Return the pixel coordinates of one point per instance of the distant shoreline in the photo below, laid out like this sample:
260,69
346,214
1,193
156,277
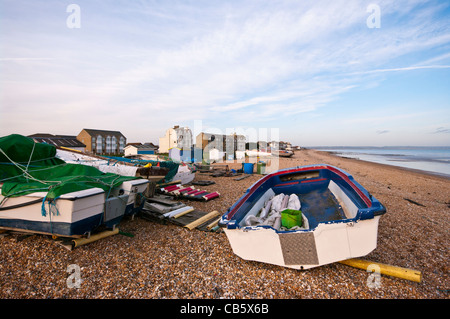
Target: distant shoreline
407,169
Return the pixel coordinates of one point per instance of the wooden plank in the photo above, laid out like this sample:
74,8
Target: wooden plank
31,232
183,213
166,200
187,218
242,177
161,208
384,269
202,220
213,224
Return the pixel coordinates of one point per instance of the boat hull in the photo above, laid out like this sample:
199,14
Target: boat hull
71,215
340,219
135,189
326,244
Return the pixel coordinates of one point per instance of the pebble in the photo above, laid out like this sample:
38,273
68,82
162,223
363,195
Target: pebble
169,261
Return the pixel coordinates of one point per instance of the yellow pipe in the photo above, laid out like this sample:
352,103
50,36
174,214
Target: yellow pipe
201,220
83,241
399,272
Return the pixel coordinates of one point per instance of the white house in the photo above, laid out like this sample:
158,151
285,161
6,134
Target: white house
179,137
133,149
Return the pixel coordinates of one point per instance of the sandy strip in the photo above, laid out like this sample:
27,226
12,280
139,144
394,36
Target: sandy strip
168,261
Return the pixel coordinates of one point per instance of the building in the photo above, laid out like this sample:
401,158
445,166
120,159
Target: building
68,141
280,145
140,149
179,137
217,146
102,141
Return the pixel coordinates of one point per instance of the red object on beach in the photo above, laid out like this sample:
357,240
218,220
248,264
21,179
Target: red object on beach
187,189
197,193
211,196
169,190
192,192
171,187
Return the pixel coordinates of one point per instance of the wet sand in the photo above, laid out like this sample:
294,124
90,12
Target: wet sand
168,261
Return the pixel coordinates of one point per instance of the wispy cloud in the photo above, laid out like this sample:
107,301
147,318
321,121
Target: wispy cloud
440,130
239,60
409,68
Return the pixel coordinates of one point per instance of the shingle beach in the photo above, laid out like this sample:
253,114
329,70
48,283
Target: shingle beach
169,261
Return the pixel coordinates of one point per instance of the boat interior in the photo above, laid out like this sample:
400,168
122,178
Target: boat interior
324,196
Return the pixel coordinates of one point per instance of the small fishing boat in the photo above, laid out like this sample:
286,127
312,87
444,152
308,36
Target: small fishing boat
134,190
282,153
41,193
303,217
71,215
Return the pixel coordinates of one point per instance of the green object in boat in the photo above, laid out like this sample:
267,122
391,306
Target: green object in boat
291,218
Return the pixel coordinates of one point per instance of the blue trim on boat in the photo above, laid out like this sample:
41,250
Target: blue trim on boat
63,229
279,182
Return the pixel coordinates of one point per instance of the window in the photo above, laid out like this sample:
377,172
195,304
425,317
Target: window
113,144
121,144
99,144
108,144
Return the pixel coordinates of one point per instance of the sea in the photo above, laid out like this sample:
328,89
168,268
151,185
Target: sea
435,160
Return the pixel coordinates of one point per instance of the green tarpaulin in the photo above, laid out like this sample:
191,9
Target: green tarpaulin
27,167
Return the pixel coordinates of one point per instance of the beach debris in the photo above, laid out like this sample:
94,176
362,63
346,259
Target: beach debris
164,210
202,220
203,183
414,202
188,192
72,243
242,177
179,212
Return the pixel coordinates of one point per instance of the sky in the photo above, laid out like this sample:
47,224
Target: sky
314,73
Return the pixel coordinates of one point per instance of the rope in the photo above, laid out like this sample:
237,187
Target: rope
25,171
31,155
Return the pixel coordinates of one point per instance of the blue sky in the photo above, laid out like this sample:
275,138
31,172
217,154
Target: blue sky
312,71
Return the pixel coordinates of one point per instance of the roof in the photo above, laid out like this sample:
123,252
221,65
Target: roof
93,132
57,140
143,146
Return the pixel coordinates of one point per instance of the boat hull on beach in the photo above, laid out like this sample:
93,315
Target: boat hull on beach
339,218
71,215
42,193
282,153
134,190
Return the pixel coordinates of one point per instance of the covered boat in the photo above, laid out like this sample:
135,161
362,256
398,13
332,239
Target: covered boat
303,217
42,193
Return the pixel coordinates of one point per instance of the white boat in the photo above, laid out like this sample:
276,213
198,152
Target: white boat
339,218
135,192
43,194
126,166
71,215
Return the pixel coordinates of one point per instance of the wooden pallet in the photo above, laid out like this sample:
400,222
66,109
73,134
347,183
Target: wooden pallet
172,211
